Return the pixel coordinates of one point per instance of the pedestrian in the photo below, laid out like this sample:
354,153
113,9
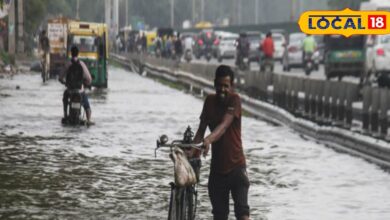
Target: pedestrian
44,44
222,114
144,43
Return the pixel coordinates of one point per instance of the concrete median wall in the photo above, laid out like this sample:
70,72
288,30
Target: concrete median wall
321,109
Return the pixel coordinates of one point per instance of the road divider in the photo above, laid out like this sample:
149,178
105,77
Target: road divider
323,110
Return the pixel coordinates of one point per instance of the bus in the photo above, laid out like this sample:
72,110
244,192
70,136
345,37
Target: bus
92,42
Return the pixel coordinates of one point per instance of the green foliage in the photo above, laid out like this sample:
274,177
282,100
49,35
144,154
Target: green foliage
5,57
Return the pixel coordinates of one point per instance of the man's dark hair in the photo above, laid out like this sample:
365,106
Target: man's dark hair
74,51
223,71
269,34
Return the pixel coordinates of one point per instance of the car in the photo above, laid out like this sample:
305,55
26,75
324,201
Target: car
255,38
226,47
293,55
378,55
279,43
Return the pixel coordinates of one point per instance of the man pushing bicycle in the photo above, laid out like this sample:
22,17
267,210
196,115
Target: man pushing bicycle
222,114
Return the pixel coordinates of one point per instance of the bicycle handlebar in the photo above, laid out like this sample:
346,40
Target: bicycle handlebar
162,142
181,145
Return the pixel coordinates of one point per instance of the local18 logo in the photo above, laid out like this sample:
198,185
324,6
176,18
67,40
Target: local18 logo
346,22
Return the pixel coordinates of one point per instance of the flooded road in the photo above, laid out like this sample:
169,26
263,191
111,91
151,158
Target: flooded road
108,171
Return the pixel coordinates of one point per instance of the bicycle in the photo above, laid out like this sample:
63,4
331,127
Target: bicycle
183,199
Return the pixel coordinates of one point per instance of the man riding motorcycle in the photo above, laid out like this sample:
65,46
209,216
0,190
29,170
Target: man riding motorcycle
268,49
74,76
242,48
309,46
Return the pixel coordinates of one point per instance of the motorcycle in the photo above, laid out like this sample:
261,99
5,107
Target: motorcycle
74,110
242,62
208,52
267,64
188,55
309,63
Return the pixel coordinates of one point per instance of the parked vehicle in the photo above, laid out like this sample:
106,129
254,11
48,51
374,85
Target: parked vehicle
345,56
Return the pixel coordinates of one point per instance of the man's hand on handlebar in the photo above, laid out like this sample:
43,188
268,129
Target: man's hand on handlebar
206,147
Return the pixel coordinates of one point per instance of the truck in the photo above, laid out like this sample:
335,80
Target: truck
57,34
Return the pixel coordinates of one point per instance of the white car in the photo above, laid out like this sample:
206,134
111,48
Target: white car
378,54
293,51
226,47
279,43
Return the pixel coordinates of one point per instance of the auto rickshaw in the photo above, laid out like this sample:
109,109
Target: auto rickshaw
344,56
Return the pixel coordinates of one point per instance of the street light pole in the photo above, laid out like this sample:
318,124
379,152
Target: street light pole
256,11
193,12
202,8
20,41
172,13
239,12
127,13
78,10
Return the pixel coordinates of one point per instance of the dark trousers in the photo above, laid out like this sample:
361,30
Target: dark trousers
221,185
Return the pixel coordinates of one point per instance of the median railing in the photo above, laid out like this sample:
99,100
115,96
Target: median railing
341,104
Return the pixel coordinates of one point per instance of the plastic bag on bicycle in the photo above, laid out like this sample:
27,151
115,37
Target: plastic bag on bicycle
184,174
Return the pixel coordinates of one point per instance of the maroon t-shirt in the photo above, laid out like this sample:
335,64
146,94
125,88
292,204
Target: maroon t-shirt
227,152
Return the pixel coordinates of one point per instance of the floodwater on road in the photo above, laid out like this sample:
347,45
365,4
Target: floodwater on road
109,170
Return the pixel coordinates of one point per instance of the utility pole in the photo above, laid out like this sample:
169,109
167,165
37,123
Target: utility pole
11,29
172,13
127,13
202,9
294,9
193,12
239,9
107,12
116,17
20,27
78,10
256,11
